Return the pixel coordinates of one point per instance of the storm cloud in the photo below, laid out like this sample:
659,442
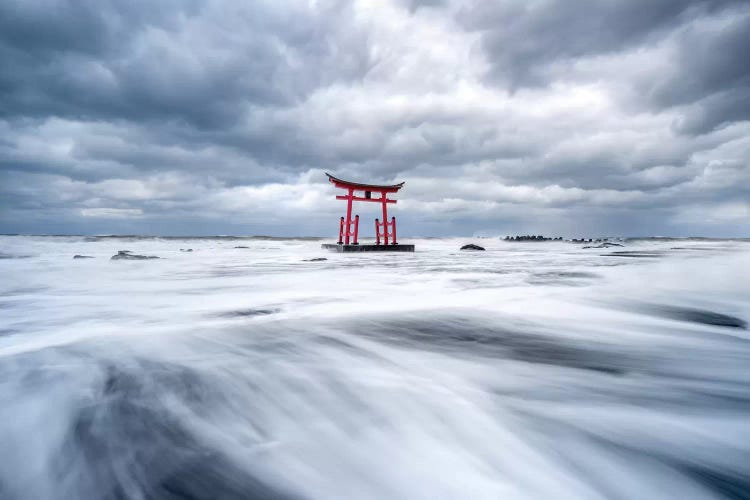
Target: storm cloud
581,117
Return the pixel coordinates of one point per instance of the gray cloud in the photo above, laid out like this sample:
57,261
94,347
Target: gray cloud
219,116
707,60
203,64
536,43
716,110
524,37
712,74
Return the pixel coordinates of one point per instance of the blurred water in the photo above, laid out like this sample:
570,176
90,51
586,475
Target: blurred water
531,370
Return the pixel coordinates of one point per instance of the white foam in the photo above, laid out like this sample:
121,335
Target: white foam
308,395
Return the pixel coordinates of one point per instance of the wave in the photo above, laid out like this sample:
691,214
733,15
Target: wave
524,371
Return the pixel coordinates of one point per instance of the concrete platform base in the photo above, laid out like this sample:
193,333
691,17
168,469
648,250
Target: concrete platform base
367,248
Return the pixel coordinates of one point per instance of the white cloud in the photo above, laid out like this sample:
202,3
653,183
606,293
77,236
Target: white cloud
111,213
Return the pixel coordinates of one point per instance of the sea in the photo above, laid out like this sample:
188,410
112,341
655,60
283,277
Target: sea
268,368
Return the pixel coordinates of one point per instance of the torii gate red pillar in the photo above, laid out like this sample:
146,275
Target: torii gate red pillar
349,200
367,189
385,220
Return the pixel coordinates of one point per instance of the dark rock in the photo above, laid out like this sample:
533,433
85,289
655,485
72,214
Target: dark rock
127,255
634,254
241,247
186,249
76,256
245,313
11,256
316,259
452,334
472,246
169,458
604,245
703,316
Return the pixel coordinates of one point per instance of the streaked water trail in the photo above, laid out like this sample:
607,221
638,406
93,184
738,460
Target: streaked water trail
531,370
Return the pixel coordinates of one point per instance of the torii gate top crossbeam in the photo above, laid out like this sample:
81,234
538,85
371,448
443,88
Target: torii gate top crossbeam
340,183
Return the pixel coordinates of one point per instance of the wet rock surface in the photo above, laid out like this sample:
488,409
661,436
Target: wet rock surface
472,246
128,255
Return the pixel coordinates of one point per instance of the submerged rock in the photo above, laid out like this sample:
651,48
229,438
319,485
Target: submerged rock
634,253
76,256
12,256
127,255
605,245
245,313
702,316
472,246
316,259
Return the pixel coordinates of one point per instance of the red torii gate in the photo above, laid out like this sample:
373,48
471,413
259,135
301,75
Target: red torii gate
345,224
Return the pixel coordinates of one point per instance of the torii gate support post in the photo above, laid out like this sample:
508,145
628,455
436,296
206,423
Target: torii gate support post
349,198
385,216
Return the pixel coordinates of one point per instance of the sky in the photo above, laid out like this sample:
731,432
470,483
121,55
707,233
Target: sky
573,118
